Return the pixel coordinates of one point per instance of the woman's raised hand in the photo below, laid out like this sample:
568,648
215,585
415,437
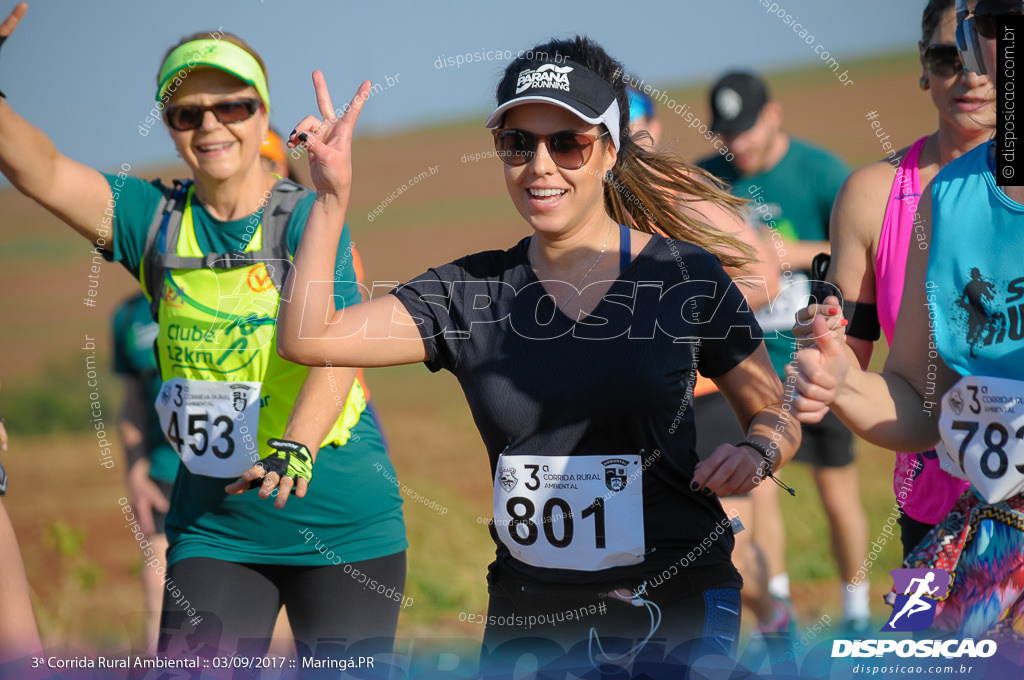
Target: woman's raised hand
11,22
831,310
819,372
329,141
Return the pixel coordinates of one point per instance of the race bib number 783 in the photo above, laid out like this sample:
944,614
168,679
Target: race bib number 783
982,427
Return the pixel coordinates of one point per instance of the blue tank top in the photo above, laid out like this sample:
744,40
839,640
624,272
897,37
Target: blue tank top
975,281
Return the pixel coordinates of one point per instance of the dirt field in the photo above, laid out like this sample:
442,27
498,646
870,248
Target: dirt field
90,597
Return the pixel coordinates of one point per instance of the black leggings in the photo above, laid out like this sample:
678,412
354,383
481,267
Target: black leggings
332,610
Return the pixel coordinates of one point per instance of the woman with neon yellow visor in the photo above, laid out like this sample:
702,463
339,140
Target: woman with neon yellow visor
212,252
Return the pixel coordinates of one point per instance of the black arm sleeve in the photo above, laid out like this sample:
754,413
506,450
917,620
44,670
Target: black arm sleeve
863,318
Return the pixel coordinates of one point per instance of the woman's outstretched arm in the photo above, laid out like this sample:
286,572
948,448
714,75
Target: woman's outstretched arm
311,330
75,193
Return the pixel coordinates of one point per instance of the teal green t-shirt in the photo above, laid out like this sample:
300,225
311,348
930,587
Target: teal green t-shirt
797,193
351,505
795,198
134,332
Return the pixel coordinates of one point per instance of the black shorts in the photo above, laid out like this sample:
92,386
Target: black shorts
828,444
160,517
715,423
825,444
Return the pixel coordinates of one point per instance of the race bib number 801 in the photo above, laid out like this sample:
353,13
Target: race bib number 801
570,512
982,427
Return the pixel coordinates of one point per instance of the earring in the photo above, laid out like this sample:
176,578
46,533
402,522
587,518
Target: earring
924,83
609,177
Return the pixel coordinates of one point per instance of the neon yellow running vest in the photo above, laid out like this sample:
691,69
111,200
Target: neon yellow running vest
217,316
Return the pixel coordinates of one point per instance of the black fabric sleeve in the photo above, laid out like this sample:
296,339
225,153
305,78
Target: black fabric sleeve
863,320
428,299
729,331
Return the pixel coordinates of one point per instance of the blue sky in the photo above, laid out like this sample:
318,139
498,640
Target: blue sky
84,72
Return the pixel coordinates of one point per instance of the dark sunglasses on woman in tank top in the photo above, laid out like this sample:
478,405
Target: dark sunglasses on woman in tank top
942,60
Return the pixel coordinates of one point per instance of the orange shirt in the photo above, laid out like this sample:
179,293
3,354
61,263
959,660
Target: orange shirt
703,386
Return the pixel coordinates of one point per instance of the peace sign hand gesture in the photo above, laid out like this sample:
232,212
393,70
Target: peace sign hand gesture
329,142
11,22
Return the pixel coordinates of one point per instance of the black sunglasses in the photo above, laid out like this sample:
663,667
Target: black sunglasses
568,149
183,118
986,22
942,60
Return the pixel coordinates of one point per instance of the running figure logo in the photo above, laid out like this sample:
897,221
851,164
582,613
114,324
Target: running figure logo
977,300
917,590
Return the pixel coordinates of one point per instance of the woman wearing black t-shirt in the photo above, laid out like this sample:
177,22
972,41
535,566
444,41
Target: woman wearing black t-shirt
577,350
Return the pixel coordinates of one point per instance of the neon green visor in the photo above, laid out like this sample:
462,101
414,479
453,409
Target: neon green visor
217,54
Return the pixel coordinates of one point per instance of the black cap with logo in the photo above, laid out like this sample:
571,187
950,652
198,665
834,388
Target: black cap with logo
736,102
565,84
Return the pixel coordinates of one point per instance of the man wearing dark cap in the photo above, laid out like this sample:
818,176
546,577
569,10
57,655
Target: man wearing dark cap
792,185
796,180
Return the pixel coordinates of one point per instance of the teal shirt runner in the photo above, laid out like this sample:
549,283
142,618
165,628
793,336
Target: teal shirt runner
794,199
134,332
351,505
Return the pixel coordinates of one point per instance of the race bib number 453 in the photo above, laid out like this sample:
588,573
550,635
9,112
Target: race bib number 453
211,425
982,426
571,512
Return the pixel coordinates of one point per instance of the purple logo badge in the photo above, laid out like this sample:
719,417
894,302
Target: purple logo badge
917,591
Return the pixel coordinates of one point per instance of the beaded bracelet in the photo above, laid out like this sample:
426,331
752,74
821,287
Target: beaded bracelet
769,460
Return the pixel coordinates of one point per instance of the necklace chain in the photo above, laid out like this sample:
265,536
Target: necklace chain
580,284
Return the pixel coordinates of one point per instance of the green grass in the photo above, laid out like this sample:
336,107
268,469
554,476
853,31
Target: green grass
808,548
56,399
36,246
446,555
66,616
808,552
